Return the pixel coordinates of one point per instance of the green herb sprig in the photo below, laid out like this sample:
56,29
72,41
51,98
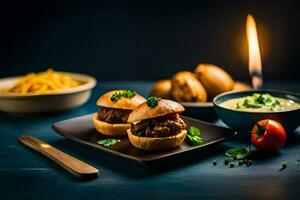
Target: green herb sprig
153,101
193,134
108,142
118,95
129,94
283,166
238,152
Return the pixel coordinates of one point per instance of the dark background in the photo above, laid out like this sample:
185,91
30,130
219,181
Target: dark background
146,40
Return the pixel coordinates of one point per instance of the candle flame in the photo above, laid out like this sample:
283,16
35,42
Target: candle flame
255,65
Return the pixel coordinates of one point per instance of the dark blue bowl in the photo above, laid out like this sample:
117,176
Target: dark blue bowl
244,121
203,111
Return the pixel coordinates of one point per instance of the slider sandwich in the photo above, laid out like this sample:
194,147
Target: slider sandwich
156,125
114,109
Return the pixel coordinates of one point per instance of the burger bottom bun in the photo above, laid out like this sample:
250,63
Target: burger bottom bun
155,144
110,129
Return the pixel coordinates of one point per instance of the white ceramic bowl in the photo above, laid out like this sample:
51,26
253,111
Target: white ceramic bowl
45,103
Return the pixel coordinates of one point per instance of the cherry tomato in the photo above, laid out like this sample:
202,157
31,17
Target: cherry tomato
268,135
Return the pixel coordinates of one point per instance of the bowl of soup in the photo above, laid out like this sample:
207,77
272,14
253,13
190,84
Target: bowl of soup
241,110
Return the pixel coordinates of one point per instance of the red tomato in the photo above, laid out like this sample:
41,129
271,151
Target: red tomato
268,135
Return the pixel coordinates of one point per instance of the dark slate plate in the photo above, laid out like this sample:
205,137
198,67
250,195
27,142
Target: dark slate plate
81,129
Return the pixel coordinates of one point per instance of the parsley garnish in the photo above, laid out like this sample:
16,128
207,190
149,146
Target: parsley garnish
116,96
153,101
238,153
259,100
108,142
127,94
193,135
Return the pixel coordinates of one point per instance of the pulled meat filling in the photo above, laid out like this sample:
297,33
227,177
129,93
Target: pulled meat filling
113,115
159,127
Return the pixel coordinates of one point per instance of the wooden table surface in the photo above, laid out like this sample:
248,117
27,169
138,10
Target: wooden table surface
25,174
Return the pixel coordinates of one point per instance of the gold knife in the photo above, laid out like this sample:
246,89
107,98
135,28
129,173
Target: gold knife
73,165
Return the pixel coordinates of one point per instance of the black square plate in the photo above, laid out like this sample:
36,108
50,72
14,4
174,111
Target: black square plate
81,129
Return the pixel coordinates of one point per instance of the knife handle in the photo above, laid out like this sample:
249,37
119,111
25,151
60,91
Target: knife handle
71,164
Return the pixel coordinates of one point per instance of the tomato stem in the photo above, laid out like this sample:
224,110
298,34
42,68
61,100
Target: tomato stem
261,129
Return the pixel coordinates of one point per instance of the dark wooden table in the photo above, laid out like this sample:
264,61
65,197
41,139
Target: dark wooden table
25,174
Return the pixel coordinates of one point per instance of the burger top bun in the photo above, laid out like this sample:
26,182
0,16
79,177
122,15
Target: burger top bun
163,107
122,103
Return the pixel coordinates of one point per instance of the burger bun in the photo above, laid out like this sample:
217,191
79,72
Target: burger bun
122,103
156,144
110,129
163,107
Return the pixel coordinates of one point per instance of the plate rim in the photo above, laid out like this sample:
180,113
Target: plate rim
197,104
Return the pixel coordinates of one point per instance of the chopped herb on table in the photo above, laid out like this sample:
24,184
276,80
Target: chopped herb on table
238,153
193,135
153,101
283,166
238,156
108,142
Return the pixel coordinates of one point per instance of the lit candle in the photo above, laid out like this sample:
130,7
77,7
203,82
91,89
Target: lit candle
255,66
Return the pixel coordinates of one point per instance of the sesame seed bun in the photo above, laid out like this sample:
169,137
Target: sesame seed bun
122,103
163,107
155,144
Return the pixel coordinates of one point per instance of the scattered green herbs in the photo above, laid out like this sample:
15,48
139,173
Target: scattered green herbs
193,135
283,166
238,153
153,101
108,142
258,101
238,156
127,94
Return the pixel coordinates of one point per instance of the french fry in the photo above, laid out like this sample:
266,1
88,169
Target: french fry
42,83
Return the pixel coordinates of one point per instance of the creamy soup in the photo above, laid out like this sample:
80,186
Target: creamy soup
260,103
